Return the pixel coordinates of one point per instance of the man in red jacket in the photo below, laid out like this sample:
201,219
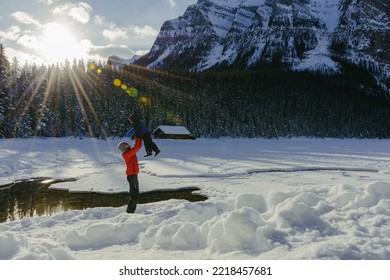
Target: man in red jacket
132,169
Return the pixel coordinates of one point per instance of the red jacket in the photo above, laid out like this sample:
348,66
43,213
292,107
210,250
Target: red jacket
130,158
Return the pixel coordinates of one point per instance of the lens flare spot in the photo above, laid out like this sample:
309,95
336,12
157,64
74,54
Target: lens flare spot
117,82
132,92
145,101
124,87
92,67
172,118
99,71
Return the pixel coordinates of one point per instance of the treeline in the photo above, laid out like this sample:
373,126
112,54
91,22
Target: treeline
77,99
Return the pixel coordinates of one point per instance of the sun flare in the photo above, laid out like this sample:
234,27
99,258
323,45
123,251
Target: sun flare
59,43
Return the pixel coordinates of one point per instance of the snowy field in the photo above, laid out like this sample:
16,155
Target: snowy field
268,199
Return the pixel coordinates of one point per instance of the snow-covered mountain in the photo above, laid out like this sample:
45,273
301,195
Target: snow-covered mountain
117,62
301,34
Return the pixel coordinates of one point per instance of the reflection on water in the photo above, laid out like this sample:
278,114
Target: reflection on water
32,198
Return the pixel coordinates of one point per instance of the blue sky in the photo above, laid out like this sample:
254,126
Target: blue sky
47,31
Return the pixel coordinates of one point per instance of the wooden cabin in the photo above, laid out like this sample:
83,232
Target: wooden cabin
172,132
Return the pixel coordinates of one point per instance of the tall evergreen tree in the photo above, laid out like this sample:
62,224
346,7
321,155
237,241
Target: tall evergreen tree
4,91
78,100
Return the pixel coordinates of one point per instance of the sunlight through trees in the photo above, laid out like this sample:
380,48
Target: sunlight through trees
94,99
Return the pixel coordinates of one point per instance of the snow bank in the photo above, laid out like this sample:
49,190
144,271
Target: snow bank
268,199
249,226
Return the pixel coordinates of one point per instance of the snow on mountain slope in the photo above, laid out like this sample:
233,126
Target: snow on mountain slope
117,62
302,34
363,36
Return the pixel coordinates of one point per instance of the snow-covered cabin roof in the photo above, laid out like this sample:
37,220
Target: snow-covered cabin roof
169,129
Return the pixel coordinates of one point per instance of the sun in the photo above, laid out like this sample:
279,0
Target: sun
58,43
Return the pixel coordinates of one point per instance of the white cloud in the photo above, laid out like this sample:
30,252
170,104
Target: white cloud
99,20
144,31
114,32
78,11
47,2
172,3
25,18
104,51
12,33
23,56
141,52
29,41
116,26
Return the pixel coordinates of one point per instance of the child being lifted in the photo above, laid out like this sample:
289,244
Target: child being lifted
140,130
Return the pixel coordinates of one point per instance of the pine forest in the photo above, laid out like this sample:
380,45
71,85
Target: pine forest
94,99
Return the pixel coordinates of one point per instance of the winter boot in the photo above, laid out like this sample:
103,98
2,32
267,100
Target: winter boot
148,154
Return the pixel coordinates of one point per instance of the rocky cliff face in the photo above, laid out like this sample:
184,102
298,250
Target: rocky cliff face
362,36
299,34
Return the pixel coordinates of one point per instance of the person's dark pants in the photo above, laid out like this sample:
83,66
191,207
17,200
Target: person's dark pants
134,191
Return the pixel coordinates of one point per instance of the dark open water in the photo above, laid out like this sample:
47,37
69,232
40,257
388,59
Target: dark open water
30,198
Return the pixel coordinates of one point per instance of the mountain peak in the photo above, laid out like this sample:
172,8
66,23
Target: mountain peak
117,61
298,34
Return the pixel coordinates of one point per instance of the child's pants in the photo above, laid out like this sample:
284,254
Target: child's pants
149,144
